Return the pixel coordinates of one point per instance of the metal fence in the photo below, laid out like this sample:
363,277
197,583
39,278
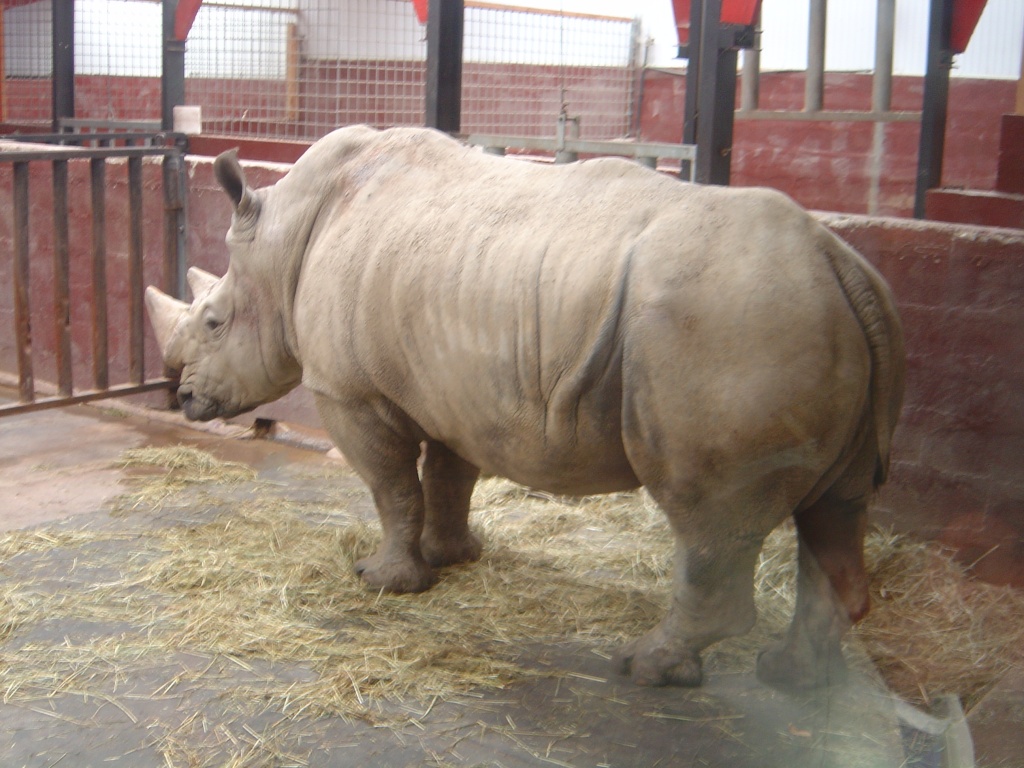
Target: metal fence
88,207
296,69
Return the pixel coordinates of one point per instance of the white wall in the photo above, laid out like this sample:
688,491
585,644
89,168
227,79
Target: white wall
994,50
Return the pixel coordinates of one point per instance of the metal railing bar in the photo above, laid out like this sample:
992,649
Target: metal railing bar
586,146
828,116
121,390
100,344
61,278
22,310
136,343
75,123
46,152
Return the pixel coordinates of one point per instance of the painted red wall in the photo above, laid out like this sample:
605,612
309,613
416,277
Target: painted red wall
828,166
824,166
958,459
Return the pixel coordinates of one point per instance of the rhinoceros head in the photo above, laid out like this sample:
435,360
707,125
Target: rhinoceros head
230,343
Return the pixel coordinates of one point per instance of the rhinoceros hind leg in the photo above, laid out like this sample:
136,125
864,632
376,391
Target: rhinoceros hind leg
832,593
655,660
712,598
448,484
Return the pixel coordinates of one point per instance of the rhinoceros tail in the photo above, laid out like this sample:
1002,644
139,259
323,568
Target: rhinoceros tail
872,302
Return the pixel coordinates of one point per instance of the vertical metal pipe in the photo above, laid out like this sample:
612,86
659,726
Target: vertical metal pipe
750,93
1019,106
638,51
936,100
136,364
22,308
61,279
172,77
814,85
716,99
100,344
175,257
63,34
885,28
693,72
688,168
444,65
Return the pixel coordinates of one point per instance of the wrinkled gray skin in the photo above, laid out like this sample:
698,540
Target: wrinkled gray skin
579,329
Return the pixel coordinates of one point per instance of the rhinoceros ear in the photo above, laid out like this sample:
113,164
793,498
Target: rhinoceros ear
200,281
167,316
229,174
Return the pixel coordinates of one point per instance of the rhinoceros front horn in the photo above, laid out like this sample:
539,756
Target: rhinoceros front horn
167,315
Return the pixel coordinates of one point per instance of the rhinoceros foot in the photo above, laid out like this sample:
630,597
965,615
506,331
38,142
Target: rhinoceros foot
786,668
384,570
440,552
650,660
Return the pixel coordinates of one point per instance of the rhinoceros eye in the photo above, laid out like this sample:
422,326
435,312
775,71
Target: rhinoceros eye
212,322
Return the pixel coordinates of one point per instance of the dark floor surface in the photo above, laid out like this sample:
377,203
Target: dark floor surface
59,470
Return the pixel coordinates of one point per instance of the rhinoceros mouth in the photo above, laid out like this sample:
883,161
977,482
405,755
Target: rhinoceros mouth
195,407
200,408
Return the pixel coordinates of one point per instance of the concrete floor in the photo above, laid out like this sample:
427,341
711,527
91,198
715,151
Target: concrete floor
58,470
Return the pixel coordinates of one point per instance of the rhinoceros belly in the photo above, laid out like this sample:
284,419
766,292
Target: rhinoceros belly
570,444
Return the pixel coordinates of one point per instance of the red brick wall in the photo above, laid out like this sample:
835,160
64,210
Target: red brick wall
824,166
958,460
828,166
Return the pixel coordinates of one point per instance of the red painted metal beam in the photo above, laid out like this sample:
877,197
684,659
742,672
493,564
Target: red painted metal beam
184,17
966,14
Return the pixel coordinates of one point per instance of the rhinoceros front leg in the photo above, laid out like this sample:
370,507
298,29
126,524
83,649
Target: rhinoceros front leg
448,484
381,448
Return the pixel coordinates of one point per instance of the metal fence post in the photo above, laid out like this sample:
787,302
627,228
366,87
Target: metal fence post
172,78
693,59
814,86
936,101
63,98
445,24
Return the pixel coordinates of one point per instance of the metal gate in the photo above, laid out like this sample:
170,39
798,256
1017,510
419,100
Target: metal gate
112,160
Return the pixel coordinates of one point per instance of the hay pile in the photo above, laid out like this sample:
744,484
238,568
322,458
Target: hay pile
267,580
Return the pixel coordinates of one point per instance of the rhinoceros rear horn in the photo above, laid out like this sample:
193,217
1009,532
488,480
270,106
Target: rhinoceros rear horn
200,281
167,315
230,176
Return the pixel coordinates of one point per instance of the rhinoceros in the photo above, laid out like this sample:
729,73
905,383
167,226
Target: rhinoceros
581,329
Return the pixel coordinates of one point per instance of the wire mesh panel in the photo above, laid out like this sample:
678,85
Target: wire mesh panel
118,59
117,48
241,67
524,68
297,69
26,86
